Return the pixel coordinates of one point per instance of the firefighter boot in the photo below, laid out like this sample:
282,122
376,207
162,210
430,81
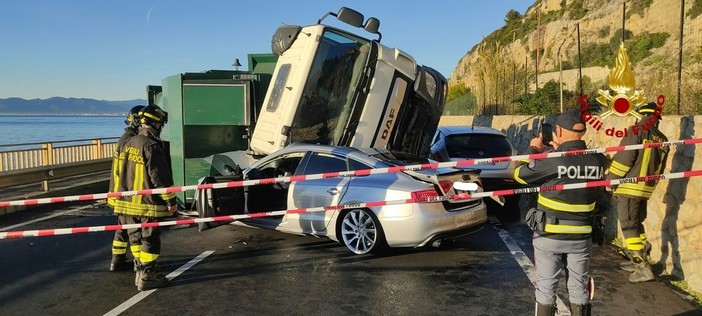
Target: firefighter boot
630,266
580,310
545,309
118,263
149,278
643,270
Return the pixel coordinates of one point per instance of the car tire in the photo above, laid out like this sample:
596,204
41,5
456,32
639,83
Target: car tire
360,231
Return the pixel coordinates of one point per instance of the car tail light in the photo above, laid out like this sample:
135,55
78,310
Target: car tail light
424,195
445,186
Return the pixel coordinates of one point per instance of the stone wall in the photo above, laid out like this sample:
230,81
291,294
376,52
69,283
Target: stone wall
673,225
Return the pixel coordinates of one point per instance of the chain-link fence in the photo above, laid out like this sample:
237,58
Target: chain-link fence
576,52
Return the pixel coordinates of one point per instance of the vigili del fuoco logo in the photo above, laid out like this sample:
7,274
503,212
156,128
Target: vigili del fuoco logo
622,101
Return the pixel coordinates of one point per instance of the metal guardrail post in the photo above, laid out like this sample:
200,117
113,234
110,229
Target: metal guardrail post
97,149
48,160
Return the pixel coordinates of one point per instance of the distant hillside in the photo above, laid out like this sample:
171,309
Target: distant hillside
58,105
495,69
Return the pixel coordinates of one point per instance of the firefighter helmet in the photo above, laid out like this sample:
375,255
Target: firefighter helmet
648,109
153,114
133,116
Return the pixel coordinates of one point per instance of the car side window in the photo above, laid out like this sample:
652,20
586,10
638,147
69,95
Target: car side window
283,166
321,163
355,165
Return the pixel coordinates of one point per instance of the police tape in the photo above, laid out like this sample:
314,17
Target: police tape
455,197
362,172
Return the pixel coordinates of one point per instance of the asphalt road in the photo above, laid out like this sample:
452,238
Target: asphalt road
246,271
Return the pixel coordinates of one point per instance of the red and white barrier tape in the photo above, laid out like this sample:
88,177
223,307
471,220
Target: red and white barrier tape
363,172
462,196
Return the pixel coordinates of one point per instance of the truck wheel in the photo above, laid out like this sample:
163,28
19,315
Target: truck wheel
360,232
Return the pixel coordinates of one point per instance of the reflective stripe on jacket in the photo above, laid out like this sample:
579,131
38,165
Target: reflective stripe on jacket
129,132
143,165
639,163
568,212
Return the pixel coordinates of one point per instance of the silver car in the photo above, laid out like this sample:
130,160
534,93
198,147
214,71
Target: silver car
364,229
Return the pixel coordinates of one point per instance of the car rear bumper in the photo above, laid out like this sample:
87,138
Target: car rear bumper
429,222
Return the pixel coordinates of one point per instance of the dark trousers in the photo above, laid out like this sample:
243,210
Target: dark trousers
125,237
632,212
145,241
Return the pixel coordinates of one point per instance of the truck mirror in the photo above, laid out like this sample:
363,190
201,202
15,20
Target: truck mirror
350,17
372,25
283,38
425,85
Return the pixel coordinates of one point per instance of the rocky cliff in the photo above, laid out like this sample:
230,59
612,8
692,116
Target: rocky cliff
652,35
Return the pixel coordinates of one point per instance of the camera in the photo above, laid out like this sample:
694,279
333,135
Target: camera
547,133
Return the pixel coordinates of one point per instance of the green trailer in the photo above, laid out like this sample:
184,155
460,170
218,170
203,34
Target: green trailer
210,113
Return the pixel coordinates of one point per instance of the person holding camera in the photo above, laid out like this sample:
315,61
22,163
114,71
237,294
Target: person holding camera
562,220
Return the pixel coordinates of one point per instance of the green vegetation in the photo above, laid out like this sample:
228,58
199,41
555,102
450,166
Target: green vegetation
576,10
638,7
637,48
460,100
546,100
518,27
603,32
695,10
512,16
456,91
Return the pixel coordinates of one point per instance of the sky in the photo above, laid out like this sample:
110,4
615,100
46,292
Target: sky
110,50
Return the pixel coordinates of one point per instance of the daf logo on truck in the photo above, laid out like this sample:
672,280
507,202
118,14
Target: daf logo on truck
388,124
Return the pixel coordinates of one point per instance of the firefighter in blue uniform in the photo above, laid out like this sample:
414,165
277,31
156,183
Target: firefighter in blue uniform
632,197
562,221
121,239
145,165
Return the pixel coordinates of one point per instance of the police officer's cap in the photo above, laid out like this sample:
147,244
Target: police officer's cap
569,119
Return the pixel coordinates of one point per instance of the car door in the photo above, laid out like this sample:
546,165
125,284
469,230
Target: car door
270,197
318,193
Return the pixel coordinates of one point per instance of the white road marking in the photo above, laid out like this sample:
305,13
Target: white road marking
45,218
524,261
142,295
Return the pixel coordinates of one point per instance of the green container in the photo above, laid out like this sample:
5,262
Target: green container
211,112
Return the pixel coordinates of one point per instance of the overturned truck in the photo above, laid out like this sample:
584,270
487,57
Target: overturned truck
322,84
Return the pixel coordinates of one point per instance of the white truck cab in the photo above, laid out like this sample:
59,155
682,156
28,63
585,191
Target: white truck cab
332,87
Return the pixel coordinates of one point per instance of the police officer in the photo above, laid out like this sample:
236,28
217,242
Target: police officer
632,197
562,220
121,239
145,166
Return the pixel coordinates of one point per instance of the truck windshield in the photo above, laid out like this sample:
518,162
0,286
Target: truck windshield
326,100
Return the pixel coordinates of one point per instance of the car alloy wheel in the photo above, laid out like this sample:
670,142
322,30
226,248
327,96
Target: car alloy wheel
360,232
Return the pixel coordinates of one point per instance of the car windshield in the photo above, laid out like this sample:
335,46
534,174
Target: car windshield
477,146
325,104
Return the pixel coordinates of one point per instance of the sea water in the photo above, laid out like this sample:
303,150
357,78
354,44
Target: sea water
22,129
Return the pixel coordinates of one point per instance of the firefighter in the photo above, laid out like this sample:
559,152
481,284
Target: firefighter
562,220
121,239
146,166
632,197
